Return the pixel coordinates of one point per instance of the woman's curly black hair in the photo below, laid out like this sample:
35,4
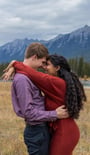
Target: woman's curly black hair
75,95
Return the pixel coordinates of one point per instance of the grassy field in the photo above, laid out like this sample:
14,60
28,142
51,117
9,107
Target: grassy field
11,126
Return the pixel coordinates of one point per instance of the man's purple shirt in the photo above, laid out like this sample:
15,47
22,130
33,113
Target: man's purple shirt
28,101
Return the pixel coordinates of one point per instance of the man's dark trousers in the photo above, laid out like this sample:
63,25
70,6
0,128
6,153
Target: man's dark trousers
37,138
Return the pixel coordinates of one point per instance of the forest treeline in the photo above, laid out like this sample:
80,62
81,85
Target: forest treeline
78,65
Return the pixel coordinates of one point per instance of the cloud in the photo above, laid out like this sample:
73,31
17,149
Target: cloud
41,19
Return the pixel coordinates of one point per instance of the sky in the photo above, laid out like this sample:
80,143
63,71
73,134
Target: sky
41,19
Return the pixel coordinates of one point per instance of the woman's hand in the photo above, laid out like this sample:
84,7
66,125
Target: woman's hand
9,66
7,75
9,71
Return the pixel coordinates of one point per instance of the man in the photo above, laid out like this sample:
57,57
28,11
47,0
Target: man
28,102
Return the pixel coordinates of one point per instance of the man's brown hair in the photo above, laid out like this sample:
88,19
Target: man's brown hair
37,49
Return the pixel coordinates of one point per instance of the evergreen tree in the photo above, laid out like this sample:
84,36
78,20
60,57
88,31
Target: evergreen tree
80,67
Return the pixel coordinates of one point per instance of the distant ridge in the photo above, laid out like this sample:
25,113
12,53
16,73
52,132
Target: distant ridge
74,44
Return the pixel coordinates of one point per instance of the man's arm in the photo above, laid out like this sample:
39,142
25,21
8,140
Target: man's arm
23,104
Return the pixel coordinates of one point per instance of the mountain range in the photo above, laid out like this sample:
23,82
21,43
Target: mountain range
70,45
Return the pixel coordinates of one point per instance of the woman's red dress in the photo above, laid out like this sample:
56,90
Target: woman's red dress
65,131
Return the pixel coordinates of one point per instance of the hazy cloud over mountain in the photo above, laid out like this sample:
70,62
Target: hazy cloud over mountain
41,19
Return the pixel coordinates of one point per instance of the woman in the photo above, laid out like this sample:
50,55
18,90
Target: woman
61,86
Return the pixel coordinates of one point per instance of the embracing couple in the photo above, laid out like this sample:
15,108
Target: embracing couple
49,102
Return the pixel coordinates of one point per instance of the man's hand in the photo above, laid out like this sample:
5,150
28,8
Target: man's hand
62,112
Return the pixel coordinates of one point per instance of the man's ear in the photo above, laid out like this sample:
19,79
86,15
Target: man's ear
34,57
57,68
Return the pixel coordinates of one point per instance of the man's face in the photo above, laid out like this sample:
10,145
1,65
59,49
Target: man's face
40,62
